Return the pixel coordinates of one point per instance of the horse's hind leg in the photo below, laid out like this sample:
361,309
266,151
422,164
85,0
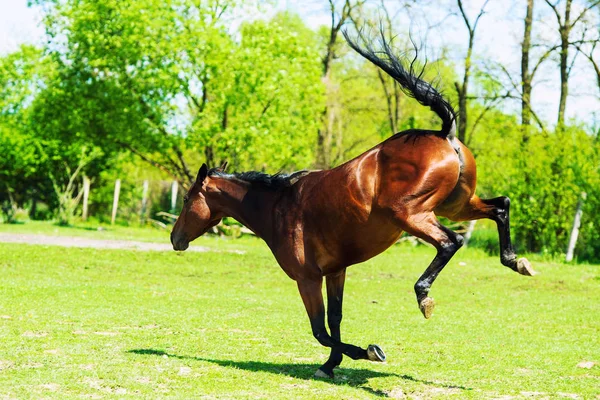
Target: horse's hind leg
497,209
335,293
310,291
427,227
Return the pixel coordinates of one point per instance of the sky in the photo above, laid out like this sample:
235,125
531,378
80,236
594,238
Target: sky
498,38
18,24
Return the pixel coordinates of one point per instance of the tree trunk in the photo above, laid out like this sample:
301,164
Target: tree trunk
525,74
565,30
325,134
463,90
462,97
391,100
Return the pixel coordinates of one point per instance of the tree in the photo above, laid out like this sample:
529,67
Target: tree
118,78
463,88
167,82
22,75
522,90
593,59
525,74
340,14
566,25
391,88
34,156
275,99
588,48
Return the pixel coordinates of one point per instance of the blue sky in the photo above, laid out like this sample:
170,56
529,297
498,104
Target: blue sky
498,39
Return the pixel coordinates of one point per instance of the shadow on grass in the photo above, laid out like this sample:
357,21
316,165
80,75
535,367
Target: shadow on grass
353,377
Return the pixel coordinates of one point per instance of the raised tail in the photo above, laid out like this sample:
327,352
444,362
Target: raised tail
410,81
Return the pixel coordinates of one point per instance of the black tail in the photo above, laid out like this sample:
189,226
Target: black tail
411,82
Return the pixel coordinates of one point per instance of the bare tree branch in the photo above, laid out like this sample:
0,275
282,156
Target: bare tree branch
582,14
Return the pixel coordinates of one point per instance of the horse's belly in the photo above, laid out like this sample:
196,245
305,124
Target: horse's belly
349,245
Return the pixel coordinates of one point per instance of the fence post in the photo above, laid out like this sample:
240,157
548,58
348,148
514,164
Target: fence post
86,196
115,201
575,230
174,188
469,232
144,200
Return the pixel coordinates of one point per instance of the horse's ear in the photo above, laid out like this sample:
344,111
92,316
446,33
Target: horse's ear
224,166
202,173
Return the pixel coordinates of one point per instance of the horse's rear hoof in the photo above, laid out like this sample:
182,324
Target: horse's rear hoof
426,306
323,375
375,353
524,267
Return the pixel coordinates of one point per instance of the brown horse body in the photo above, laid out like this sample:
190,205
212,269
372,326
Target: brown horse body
343,216
319,223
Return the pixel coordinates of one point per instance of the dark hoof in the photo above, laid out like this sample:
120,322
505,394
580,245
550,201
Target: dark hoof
323,375
375,353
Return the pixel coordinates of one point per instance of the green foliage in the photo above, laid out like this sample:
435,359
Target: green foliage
40,154
275,97
544,177
167,81
22,165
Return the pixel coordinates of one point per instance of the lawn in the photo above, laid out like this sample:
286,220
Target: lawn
105,323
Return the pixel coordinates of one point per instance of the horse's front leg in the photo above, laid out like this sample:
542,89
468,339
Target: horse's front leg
335,294
310,291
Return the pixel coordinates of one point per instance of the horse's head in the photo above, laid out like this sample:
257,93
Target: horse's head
199,213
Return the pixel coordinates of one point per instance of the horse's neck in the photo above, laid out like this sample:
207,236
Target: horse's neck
253,208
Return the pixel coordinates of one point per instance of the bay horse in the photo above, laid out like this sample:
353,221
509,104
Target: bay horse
317,223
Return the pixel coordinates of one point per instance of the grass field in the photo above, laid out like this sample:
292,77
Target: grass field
104,323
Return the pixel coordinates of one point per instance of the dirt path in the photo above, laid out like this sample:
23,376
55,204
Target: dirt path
72,241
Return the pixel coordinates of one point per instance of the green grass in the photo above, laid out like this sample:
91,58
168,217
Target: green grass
102,323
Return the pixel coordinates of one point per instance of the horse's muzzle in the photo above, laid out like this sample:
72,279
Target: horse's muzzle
179,243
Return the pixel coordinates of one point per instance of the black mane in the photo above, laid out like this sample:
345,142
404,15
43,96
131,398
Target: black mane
261,179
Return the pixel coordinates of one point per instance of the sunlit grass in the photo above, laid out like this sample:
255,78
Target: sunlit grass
84,322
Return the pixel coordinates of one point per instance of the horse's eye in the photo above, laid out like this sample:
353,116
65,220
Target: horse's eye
185,199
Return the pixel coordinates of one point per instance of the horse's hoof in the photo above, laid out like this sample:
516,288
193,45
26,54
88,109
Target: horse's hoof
323,375
426,306
375,353
524,267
